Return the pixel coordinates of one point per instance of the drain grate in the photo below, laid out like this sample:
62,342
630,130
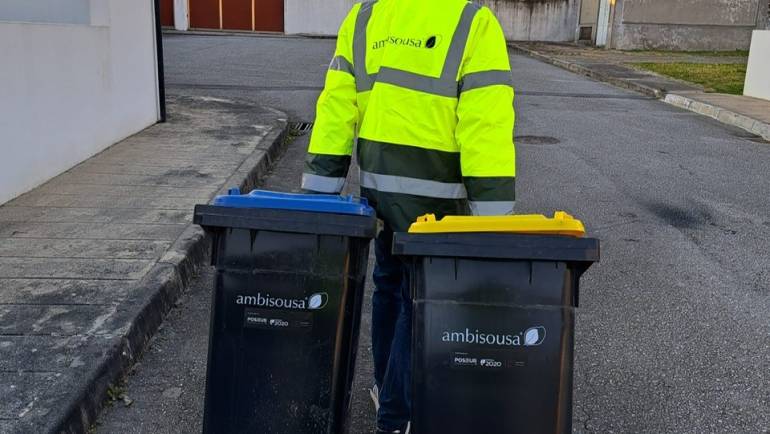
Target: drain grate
536,140
300,128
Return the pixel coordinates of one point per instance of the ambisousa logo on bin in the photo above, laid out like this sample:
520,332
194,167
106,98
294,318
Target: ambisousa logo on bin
530,337
312,302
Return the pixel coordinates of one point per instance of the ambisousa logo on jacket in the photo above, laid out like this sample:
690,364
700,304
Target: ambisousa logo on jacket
428,42
312,302
530,337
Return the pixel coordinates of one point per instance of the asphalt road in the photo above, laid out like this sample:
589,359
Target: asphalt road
673,332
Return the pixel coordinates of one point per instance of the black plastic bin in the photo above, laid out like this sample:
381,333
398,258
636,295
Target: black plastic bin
286,310
493,330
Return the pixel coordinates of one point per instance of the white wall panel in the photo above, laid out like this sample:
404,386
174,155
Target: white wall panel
758,70
46,11
70,91
315,17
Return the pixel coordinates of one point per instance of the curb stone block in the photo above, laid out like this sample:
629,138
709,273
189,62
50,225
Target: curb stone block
762,129
705,109
722,115
736,119
678,101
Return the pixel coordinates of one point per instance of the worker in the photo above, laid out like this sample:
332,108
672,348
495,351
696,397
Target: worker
424,88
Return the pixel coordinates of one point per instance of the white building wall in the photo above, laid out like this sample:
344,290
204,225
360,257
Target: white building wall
71,90
57,11
315,17
182,15
758,70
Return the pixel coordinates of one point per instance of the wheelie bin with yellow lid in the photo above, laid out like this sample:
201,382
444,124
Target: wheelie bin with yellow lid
494,301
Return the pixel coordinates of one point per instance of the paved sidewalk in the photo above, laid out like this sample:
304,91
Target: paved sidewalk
568,51
608,66
92,260
750,114
166,388
611,66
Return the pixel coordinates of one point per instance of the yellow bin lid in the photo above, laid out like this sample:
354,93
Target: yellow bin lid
561,224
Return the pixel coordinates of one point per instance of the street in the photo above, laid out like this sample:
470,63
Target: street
672,331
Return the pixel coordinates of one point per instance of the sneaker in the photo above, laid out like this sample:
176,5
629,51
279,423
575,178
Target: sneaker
374,392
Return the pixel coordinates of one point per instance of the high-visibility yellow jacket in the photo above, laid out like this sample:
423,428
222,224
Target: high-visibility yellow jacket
425,88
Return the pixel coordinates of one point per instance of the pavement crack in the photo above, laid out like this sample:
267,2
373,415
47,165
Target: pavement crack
27,408
99,321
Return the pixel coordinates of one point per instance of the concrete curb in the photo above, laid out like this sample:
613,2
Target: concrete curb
723,115
588,72
159,291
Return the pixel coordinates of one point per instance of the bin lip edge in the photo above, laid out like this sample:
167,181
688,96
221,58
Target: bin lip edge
310,202
402,235
410,244
201,209
365,226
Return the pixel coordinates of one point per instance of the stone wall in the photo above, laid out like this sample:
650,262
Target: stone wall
536,20
686,24
766,16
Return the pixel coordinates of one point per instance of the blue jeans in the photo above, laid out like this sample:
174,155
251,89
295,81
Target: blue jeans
391,335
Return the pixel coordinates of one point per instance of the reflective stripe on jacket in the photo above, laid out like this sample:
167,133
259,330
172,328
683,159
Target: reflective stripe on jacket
426,88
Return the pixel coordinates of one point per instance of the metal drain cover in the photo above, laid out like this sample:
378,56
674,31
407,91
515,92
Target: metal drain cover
300,128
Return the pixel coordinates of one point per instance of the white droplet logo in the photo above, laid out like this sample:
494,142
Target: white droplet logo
317,301
534,336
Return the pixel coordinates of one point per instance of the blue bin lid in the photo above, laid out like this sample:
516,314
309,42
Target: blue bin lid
325,203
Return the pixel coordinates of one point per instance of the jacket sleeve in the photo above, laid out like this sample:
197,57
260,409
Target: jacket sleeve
485,119
331,143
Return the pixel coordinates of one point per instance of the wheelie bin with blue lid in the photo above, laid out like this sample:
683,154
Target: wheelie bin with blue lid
494,301
286,310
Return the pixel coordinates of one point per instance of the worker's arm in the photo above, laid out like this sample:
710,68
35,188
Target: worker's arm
485,119
331,143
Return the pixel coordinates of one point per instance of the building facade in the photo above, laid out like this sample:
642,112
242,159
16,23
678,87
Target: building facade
686,24
77,76
622,24
552,20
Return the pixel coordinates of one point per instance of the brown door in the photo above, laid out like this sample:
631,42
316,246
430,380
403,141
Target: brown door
237,14
268,15
167,13
204,14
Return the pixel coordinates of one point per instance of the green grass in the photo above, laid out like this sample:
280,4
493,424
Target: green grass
721,77
734,53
